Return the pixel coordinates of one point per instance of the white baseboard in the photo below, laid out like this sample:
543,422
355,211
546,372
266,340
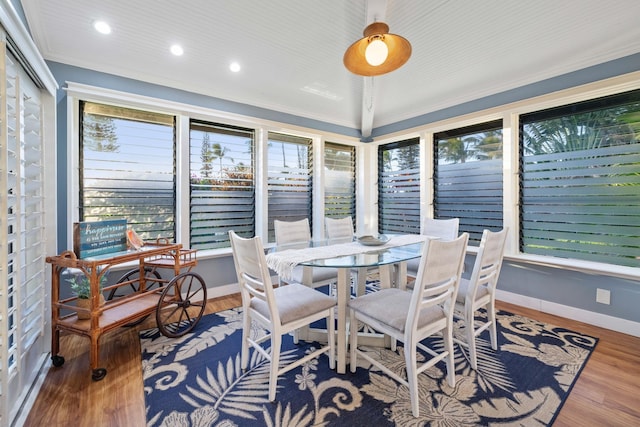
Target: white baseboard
221,291
581,315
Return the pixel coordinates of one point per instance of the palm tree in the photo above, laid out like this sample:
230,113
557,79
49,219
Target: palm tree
457,150
586,131
219,152
490,146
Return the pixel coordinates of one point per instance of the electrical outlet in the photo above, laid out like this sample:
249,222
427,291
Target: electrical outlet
603,296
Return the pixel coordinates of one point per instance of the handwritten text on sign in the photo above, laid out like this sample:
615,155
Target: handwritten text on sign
100,237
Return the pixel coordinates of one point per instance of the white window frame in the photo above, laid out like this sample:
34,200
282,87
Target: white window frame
366,155
184,112
509,114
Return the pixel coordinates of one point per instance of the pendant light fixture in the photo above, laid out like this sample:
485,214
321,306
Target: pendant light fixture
378,52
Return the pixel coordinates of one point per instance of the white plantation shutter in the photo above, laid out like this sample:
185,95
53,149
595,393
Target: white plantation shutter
22,245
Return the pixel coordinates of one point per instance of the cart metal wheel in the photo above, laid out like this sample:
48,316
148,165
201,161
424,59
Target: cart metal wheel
98,374
134,274
57,360
181,304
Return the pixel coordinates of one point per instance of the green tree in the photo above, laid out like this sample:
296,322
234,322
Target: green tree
408,157
585,131
490,146
206,156
219,152
457,150
478,146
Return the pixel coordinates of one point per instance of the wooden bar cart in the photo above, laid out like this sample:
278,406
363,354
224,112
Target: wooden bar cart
178,302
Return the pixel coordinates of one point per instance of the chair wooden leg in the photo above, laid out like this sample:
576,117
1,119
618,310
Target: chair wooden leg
491,313
412,375
361,282
471,340
353,340
448,345
276,344
331,337
246,330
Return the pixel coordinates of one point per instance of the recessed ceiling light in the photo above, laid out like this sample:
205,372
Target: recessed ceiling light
234,66
102,27
177,50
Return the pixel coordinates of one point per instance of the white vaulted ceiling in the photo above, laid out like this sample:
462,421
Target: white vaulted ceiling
291,50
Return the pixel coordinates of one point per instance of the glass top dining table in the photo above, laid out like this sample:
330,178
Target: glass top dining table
345,255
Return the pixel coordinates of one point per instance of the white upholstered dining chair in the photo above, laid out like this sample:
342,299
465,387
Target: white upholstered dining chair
279,310
411,317
444,229
479,292
341,230
299,232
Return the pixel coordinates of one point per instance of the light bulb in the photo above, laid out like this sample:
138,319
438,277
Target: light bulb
102,27
376,52
177,50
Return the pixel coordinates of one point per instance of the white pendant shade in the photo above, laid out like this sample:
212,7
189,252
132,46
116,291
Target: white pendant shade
378,52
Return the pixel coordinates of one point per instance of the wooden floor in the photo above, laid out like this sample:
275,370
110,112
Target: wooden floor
607,392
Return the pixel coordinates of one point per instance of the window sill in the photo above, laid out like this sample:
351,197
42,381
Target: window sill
587,267
214,253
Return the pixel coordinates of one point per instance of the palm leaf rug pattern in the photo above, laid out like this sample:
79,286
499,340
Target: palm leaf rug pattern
196,380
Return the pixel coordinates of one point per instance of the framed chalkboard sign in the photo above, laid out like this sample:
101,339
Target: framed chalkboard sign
99,237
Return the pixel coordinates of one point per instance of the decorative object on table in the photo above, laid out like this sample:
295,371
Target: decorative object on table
373,241
134,240
197,379
81,287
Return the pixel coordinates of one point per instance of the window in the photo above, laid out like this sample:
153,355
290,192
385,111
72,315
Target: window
580,181
289,178
468,178
339,181
399,187
222,190
127,168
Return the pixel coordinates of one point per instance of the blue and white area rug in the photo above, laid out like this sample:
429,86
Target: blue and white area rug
196,380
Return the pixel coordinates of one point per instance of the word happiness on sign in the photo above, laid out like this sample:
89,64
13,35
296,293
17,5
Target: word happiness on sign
99,237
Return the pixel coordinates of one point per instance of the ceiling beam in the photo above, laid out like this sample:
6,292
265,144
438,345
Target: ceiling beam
368,108
376,11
